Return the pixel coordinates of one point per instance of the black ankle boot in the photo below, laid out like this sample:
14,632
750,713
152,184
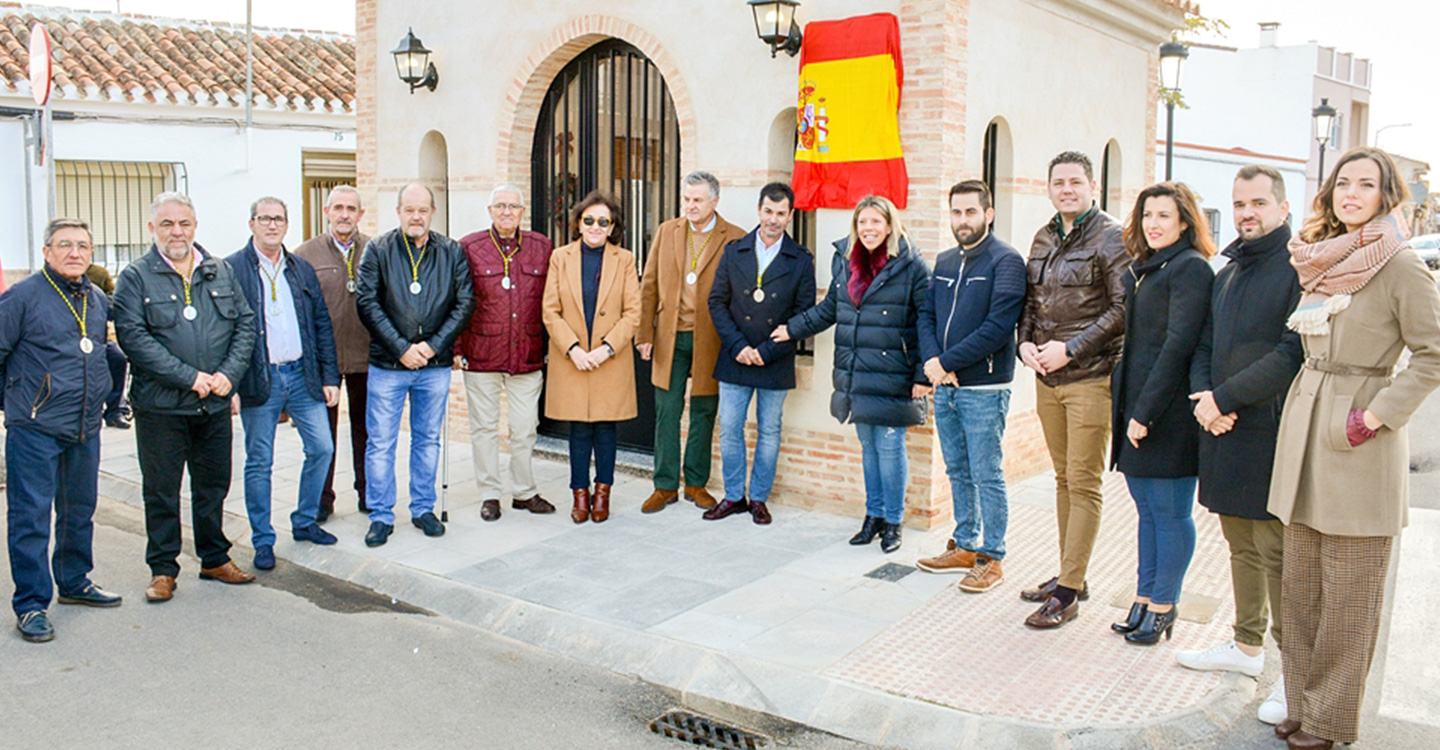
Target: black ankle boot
1152,624
868,530
1132,621
890,538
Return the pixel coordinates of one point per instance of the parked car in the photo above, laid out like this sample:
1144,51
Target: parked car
1428,246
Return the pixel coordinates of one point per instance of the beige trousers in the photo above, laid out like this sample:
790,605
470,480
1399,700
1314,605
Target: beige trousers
1076,420
482,398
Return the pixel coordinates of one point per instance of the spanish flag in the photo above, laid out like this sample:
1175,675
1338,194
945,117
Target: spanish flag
848,115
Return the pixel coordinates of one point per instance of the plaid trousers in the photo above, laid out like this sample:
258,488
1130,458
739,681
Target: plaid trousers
1333,589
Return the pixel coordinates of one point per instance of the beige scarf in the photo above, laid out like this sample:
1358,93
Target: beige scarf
1332,270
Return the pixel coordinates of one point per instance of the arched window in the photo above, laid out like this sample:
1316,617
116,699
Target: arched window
1111,195
997,168
435,173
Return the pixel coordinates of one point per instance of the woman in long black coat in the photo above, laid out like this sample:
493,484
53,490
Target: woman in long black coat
1155,436
879,297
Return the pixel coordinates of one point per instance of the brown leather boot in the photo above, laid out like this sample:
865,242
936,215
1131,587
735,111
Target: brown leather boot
600,506
658,500
581,512
701,497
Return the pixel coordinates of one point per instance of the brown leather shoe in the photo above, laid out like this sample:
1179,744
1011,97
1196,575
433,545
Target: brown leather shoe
490,510
701,497
986,575
535,504
953,560
1303,740
600,503
1052,615
161,589
658,500
759,514
581,512
227,573
726,508
1284,729
1043,591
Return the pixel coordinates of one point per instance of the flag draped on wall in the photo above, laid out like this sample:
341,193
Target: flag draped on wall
848,143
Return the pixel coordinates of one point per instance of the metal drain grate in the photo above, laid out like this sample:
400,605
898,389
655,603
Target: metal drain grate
698,730
890,572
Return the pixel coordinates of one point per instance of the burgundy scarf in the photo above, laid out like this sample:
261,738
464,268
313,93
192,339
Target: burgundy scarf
864,267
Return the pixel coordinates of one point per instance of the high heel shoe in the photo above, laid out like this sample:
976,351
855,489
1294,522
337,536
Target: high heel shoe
1132,620
600,503
1152,624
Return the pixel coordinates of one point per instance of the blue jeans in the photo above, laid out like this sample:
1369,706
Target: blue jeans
886,467
1167,534
734,404
42,469
287,394
428,390
600,439
971,425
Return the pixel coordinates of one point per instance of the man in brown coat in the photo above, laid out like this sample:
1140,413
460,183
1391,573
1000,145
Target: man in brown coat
336,256
1071,331
677,335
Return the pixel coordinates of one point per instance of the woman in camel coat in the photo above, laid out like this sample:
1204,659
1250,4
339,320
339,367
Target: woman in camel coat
591,309
1340,482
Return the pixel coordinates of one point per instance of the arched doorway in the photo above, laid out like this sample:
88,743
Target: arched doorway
434,170
608,123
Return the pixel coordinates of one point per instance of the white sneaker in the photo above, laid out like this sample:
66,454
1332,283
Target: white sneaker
1226,657
1275,710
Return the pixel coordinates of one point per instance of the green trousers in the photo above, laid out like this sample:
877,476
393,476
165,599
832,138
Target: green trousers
669,405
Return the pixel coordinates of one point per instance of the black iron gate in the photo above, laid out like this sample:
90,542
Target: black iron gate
608,123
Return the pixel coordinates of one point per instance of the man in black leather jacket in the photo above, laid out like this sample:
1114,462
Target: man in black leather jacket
415,296
182,319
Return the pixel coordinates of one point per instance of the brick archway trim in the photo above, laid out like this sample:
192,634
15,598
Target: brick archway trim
520,110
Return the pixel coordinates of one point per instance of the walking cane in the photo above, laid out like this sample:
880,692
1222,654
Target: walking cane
445,466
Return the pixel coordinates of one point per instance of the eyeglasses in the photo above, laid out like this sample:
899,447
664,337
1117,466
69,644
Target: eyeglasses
514,207
269,221
591,221
66,246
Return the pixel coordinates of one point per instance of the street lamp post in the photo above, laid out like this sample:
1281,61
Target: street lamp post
1324,116
1172,56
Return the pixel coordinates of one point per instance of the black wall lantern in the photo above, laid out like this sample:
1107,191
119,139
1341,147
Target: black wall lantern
412,62
775,24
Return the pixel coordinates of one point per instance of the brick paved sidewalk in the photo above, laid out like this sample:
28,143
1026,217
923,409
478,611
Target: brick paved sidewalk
783,620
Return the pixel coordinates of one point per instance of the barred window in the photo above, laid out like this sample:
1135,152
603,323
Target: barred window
114,197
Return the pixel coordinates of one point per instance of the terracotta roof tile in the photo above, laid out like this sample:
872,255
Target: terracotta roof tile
138,58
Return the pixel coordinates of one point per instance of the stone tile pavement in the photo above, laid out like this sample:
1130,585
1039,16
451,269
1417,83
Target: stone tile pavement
741,620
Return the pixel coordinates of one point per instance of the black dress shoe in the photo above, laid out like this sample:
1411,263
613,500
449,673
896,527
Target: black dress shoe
91,596
430,524
1152,624
1132,621
379,534
890,538
868,531
726,508
323,515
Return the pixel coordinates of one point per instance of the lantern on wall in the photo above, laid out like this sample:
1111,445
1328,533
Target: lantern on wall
412,62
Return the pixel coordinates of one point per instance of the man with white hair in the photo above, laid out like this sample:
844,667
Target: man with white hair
502,350
677,334
183,321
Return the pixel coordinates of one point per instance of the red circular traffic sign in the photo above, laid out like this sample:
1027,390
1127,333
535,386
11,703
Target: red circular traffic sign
40,64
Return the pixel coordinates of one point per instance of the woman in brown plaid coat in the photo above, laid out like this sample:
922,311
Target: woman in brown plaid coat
1340,482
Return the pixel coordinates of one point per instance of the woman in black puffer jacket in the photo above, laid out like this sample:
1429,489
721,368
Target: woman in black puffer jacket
877,300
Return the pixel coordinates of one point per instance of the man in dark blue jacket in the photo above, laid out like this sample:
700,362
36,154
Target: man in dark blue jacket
53,384
763,280
977,293
292,370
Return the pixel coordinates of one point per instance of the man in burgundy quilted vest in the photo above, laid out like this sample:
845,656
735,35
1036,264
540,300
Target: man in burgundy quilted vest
502,350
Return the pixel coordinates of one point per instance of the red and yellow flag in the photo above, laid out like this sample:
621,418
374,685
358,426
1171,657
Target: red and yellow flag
848,115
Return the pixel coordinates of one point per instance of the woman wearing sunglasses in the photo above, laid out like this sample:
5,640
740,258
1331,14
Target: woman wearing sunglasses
591,309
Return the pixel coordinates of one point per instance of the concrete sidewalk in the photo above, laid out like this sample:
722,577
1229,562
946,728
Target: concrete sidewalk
788,620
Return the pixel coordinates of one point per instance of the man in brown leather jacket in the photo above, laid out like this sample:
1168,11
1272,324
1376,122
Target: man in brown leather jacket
1070,334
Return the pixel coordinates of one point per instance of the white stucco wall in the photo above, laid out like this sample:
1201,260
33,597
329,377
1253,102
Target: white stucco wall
221,182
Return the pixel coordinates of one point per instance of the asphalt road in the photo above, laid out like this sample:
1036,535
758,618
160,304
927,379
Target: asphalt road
302,660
